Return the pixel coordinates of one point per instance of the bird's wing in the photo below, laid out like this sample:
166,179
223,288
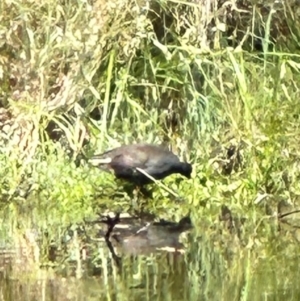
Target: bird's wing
129,160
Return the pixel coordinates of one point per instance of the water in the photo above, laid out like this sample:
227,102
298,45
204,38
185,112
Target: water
209,270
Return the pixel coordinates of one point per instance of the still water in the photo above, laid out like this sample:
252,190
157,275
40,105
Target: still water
208,270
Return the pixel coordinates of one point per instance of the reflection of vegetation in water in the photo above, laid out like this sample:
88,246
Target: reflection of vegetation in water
206,275
80,78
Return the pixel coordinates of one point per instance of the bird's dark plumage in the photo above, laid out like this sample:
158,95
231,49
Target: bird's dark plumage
154,160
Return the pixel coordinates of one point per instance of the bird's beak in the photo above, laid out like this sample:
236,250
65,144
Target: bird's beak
97,161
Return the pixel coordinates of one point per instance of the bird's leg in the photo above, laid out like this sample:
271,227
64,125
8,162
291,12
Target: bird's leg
135,198
145,192
139,194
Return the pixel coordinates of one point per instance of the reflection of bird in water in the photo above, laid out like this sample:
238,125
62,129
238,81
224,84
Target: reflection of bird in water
153,236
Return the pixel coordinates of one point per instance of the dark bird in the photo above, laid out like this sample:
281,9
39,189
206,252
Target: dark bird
134,162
